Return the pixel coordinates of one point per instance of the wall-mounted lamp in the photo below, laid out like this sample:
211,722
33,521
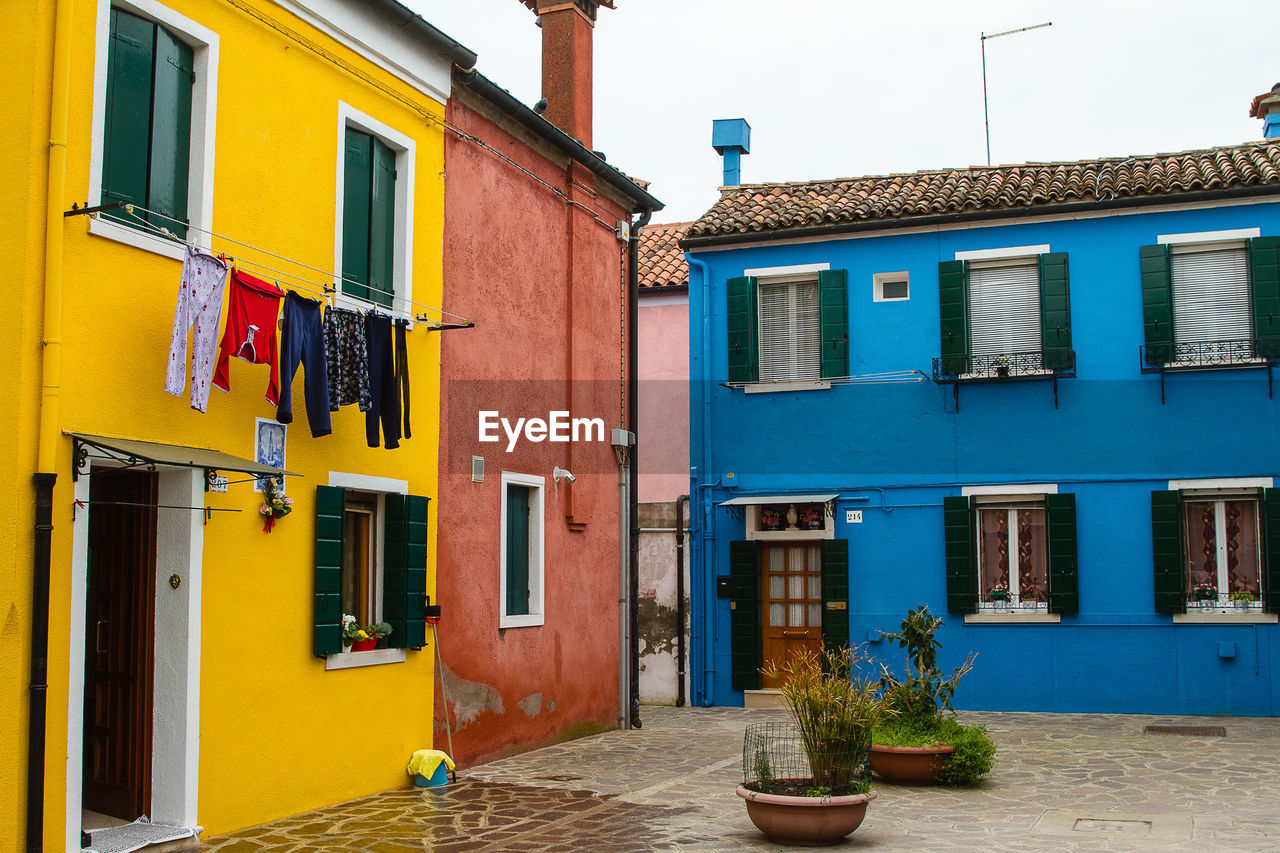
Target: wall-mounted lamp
558,474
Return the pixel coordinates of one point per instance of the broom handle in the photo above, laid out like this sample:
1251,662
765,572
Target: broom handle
448,726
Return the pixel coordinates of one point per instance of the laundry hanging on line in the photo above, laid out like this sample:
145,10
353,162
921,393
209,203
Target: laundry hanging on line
198,311
251,330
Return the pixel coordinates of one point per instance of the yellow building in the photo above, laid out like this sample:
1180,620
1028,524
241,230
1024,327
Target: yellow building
195,668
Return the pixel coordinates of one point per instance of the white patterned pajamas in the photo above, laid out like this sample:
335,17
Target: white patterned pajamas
199,306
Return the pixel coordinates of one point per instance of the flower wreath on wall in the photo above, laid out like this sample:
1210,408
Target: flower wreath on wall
274,504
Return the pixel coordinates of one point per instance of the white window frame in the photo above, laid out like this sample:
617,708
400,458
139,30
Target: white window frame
204,44
537,552
379,488
1014,501
880,279
405,148
1218,497
790,282
1202,243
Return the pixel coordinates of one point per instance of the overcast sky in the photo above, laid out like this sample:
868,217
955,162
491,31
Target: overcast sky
841,88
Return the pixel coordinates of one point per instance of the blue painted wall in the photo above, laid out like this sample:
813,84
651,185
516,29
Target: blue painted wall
895,451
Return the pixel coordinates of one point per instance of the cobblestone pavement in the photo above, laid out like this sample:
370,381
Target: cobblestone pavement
1062,782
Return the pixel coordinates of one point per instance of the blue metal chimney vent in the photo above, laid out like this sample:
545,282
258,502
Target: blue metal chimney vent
731,137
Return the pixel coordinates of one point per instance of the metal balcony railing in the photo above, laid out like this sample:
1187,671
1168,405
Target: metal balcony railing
1205,355
1010,365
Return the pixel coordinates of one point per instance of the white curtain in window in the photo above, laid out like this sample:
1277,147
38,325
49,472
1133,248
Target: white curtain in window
1210,295
1004,308
789,345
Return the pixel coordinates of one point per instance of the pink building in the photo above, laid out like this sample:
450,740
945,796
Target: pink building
663,440
535,254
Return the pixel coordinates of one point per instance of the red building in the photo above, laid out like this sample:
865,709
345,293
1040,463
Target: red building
536,254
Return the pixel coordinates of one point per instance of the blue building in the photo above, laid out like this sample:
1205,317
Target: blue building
1038,398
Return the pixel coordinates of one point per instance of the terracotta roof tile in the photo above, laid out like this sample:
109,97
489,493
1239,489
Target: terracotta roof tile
757,208
662,262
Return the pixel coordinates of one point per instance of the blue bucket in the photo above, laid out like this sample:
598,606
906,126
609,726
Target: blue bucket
438,779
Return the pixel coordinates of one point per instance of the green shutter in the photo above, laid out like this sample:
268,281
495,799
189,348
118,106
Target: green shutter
1064,594
170,132
835,591
1055,312
1157,303
1271,551
740,309
961,555
517,546
1166,549
357,182
331,503
382,226
404,570
128,110
833,313
744,618
953,302
1264,284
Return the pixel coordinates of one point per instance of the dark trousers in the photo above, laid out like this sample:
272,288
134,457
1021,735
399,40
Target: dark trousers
302,342
382,383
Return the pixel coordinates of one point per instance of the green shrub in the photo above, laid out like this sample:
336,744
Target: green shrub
974,756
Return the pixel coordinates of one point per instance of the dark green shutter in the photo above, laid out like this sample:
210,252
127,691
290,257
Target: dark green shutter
1064,594
170,132
1157,303
382,225
961,555
404,570
1271,551
1166,549
953,312
356,212
740,305
1264,284
1055,312
744,616
833,312
128,110
331,504
517,546
835,591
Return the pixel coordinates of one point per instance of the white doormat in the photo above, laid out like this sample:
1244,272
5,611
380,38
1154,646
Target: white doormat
135,836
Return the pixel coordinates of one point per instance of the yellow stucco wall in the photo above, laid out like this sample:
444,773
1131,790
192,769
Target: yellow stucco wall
278,734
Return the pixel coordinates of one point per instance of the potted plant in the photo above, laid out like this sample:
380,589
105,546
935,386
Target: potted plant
1001,365
350,631
807,782
1205,592
811,518
1241,599
1000,592
770,519
919,744
379,632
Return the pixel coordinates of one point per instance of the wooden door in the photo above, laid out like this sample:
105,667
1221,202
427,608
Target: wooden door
118,638
792,602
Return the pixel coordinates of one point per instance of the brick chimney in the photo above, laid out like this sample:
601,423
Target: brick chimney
566,62
1267,107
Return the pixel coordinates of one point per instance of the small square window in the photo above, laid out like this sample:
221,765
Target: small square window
891,287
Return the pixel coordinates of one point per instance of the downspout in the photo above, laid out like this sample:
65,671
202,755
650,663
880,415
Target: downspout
680,667
633,425
47,450
704,569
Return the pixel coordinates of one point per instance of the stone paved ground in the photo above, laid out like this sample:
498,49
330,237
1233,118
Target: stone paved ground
1062,782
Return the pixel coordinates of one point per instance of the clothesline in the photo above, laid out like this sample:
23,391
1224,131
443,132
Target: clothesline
323,290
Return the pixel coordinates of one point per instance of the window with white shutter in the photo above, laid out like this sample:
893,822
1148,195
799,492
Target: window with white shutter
1211,298
790,346
1004,310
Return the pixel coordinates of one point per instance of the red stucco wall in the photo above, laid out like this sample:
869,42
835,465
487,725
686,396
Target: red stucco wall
541,280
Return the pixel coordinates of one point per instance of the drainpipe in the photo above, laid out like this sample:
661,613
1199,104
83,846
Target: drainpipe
680,667
705,566
620,449
47,452
633,424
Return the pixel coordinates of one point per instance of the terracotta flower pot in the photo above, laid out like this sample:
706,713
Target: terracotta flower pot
910,765
805,821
